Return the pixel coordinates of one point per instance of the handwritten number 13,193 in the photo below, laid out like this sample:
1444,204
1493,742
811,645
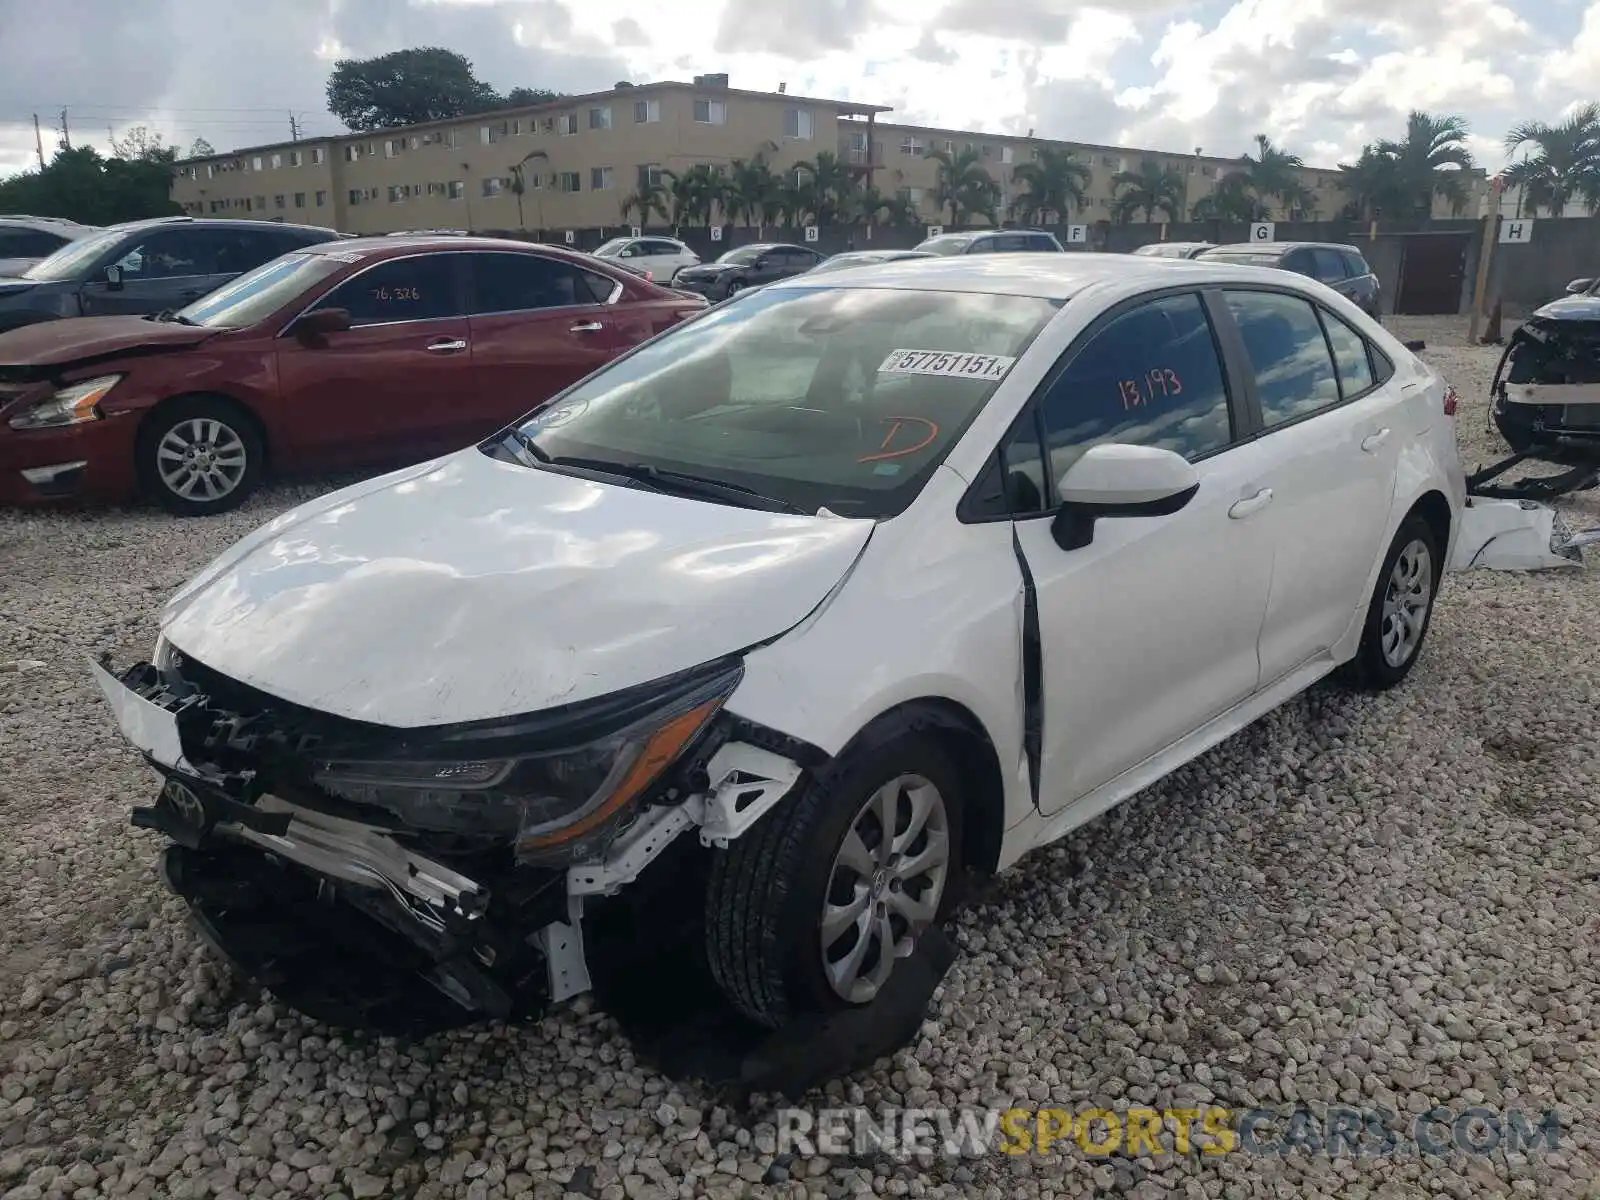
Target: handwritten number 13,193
1136,393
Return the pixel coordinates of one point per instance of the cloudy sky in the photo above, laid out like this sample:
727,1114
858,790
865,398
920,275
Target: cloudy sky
1320,76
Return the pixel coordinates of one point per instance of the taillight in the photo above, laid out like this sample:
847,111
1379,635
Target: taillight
1449,401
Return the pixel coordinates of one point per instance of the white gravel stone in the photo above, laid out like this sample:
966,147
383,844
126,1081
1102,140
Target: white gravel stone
1357,900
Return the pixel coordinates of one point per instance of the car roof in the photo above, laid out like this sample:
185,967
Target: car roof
219,223
1047,276
396,245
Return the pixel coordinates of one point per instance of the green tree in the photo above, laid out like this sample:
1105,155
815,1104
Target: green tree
1564,165
80,185
405,87
1274,173
141,144
1370,185
1054,184
753,191
695,195
525,97
964,186
648,199
1233,199
519,182
1150,189
200,148
1431,160
831,184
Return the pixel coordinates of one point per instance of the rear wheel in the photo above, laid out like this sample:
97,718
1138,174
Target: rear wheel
813,908
200,455
1401,608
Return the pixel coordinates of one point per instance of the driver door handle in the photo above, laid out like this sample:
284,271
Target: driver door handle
1250,505
1371,444
447,346
588,327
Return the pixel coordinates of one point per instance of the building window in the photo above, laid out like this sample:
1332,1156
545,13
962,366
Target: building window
279,202
649,176
801,177
599,118
911,145
299,199
567,124
458,189
549,125
277,161
711,112
1008,154
255,163
261,204
646,112
396,193
294,158
599,179
352,153
949,146
322,199
911,195
797,124
493,187
484,136
356,196
568,181
318,156
391,147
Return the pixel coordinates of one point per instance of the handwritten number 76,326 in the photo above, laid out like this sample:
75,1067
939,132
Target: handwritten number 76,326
1159,381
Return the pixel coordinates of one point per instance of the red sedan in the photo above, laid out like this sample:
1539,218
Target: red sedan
346,354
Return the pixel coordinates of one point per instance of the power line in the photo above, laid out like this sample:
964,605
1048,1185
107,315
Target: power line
156,106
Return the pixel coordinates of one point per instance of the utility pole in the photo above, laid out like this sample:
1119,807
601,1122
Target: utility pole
38,140
66,134
294,128
1491,222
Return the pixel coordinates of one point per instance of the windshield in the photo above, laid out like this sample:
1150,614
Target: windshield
1252,258
71,259
843,398
258,294
945,245
614,246
744,254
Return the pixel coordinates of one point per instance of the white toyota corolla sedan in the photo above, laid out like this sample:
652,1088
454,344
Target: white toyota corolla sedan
848,589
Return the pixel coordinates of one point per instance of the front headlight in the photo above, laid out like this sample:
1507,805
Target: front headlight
72,405
558,803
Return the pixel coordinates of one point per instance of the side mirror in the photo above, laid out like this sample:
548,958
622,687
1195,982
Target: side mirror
1118,480
114,277
321,323
1579,285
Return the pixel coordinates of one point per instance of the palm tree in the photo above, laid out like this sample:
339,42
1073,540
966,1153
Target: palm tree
1565,165
869,206
650,199
1149,189
1055,183
831,182
753,187
519,182
1275,173
1232,200
963,185
1370,185
1432,159
695,194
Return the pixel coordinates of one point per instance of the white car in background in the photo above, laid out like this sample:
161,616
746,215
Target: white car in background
656,258
867,581
26,240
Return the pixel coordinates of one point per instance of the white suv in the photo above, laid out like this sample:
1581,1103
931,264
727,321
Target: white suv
867,583
656,258
26,240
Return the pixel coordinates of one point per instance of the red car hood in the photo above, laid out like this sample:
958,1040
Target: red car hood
52,343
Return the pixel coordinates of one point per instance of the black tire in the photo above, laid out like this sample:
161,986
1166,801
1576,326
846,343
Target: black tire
229,428
1371,669
735,286
766,891
21,320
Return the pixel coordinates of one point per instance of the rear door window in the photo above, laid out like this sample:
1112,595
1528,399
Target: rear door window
1354,264
1294,369
169,254
505,283
1040,241
1350,356
29,243
1328,265
423,287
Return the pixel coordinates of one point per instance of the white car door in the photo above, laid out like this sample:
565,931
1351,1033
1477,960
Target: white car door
1335,428
1150,631
664,259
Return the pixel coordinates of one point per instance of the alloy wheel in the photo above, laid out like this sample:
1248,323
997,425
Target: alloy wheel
201,459
1406,601
885,886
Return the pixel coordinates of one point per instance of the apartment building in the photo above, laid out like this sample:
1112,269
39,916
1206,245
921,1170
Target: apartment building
579,160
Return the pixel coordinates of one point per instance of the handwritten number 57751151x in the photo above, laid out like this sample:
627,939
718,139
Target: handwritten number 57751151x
1136,393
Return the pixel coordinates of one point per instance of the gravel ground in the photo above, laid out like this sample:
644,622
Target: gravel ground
1380,902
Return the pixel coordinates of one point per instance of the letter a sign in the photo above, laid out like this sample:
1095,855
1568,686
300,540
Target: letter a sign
1519,230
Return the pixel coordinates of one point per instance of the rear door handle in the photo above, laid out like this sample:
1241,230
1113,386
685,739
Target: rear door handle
588,327
447,346
1250,505
1371,443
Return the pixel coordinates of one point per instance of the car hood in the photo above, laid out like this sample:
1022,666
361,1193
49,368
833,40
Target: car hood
52,343
468,588
11,285
1571,308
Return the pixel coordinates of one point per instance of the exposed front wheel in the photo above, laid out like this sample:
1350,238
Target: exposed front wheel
733,289
199,456
1401,607
813,908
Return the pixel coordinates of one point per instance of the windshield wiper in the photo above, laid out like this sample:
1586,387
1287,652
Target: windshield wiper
682,483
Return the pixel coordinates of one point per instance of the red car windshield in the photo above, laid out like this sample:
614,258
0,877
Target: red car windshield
257,294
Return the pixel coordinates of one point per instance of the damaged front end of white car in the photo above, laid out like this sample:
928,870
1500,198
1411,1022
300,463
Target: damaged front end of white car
343,864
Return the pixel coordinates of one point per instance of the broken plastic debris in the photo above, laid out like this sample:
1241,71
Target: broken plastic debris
20,664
